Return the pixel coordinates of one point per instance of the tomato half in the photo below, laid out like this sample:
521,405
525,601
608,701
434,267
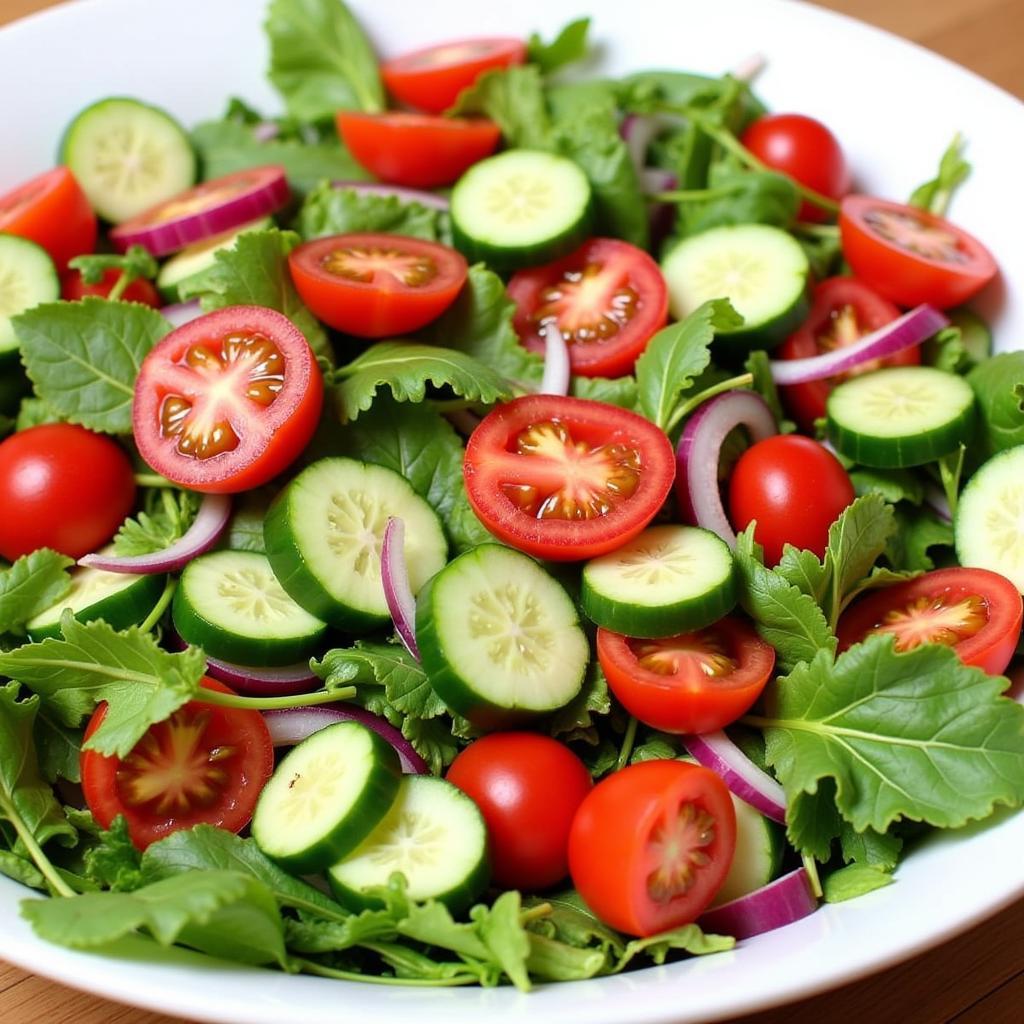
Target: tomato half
976,612
843,310
228,401
53,212
73,288
566,478
911,256
431,79
692,683
607,298
651,845
374,286
203,765
416,150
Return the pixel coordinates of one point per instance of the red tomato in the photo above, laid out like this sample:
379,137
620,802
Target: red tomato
228,401
52,211
566,478
692,683
651,845
376,286
976,612
74,288
528,787
432,78
843,310
911,256
806,150
62,487
607,298
794,487
416,150
203,765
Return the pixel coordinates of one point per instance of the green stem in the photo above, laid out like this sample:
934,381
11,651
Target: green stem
627,744
802,227
744,380
312,967
950,469
152,480
120,286
35,851
299,700
161,606
811,867
695,195
535,913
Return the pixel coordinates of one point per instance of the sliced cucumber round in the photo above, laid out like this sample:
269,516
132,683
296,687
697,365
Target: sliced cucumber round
27,278
231,604
325,797
500,639
900,416
434,835
324,535
760,845
127,156
667,580
761,270
520,208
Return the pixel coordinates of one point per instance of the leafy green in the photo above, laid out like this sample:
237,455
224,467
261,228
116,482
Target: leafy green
758,364
854,880
935,195
738,196
688,938
432,739
59,747
998,385
112,861
330,210
514,99
946,351
134,264
34,412
894,485
871,848
166,517
918,532
21,869
620,391
576,721
34,583
568,46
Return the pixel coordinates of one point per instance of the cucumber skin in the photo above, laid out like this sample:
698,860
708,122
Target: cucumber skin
733,346
127,608
507,260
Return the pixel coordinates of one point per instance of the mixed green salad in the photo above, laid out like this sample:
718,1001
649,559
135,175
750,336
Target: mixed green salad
543,528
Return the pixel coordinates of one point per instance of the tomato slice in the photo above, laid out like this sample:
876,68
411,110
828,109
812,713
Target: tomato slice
416,150
377,285
691,683
228,401
607,298
203,765
53,212
566,478
431,79
911,256
72,288
976,612
651,845
843,310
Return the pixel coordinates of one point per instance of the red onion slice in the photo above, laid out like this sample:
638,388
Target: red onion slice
295,724
774,905
905,332
749,68
210,522
716,751
394,575
935,499
655,180
209,209
406,195
182,313
557,369
699,450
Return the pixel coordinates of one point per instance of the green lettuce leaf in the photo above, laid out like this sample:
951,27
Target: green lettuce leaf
569,46
330,210
935,195
998,385
853,881
34,583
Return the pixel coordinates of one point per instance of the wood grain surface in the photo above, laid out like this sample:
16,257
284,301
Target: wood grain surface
975,979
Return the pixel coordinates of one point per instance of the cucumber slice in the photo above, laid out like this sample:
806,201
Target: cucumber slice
127,156
975,335
520,208
760,845
434,835
989,522
500,639
231,605
900,416
324,535
27,278
761,270
667,580
325,797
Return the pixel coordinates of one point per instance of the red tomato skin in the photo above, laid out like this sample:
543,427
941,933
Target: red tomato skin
64,488
415,150
73,288
608,845
528,788
794,487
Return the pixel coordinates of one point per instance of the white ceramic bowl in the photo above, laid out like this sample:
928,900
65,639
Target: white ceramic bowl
895,107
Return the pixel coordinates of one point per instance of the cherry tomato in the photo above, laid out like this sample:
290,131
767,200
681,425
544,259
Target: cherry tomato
651,845
52,211
62,487
911,256
843,310
566,478
204,765
976,612
416,150
228,401
376,286
692,683
73,288
794,488
528,787
806,150
607,298
432,78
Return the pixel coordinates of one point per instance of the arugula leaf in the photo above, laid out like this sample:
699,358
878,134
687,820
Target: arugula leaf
894,485
113,862
918,532
331,210
321,60
314,935
689,938
165,519
998,385
576,720
21,869
759,366
855,880
875,849
134,264
83,357
34,583
813,821
935,195
738,196
514,99
245,531
620,391
550,960
568,46
432,739
59,748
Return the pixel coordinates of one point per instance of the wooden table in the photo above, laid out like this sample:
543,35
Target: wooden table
976,979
